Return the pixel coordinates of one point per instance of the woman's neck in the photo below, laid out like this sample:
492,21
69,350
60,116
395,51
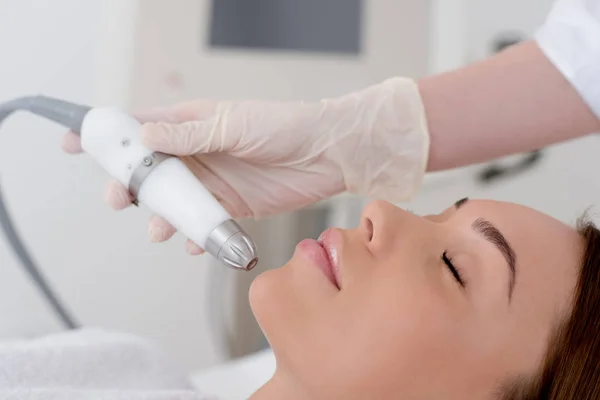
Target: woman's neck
280,386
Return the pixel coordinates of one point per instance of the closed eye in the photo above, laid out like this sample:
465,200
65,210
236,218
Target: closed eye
452,268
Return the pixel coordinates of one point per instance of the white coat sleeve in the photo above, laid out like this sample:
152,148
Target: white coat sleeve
570,38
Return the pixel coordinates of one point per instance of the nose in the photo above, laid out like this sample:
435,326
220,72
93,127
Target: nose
381,222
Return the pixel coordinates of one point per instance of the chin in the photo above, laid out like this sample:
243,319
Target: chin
266,296
261,289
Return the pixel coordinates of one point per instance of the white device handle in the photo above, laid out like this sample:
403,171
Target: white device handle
165,185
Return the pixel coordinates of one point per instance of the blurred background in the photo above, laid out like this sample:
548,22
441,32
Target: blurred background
139,53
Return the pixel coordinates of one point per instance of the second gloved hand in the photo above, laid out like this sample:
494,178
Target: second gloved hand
265,158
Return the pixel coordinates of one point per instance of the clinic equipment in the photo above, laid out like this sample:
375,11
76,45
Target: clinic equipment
162,182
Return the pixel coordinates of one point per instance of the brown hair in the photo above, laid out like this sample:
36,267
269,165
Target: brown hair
572,366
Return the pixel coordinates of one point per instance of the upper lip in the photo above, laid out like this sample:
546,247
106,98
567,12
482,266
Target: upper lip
327,241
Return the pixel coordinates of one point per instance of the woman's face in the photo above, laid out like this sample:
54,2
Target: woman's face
394,320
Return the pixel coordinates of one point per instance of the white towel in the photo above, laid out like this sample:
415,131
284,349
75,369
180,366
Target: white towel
90,364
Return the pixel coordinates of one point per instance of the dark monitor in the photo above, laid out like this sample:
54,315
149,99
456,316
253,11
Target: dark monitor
332,26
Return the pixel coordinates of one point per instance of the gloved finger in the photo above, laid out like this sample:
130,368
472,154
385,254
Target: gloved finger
71,143
195,110
193,249
181,112
160,230
176,139
117,196
159,114
188,138
178,113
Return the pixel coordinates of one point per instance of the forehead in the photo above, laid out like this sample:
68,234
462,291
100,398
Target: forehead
525,226
548,251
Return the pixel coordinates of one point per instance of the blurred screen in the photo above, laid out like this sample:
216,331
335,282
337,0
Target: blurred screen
301,25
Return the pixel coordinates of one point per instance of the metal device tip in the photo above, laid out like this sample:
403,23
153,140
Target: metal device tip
230,244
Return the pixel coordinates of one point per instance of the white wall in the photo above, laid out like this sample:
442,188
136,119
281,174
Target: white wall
487,18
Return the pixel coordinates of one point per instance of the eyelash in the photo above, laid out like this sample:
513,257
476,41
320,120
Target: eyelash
453,269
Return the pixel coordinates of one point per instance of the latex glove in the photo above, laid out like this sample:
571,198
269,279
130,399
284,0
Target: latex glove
263,158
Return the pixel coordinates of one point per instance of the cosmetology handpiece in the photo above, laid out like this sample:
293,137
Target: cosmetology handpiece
162,182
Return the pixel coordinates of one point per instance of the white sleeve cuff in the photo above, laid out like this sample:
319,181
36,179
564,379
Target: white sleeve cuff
570,38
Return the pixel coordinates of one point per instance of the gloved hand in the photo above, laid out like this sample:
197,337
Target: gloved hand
264,158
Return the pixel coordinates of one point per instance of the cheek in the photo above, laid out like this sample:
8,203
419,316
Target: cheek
413,341
376,339
404,325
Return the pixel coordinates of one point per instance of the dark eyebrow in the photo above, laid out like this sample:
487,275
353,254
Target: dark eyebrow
495,237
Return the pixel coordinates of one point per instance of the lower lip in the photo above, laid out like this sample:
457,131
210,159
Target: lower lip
312,250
